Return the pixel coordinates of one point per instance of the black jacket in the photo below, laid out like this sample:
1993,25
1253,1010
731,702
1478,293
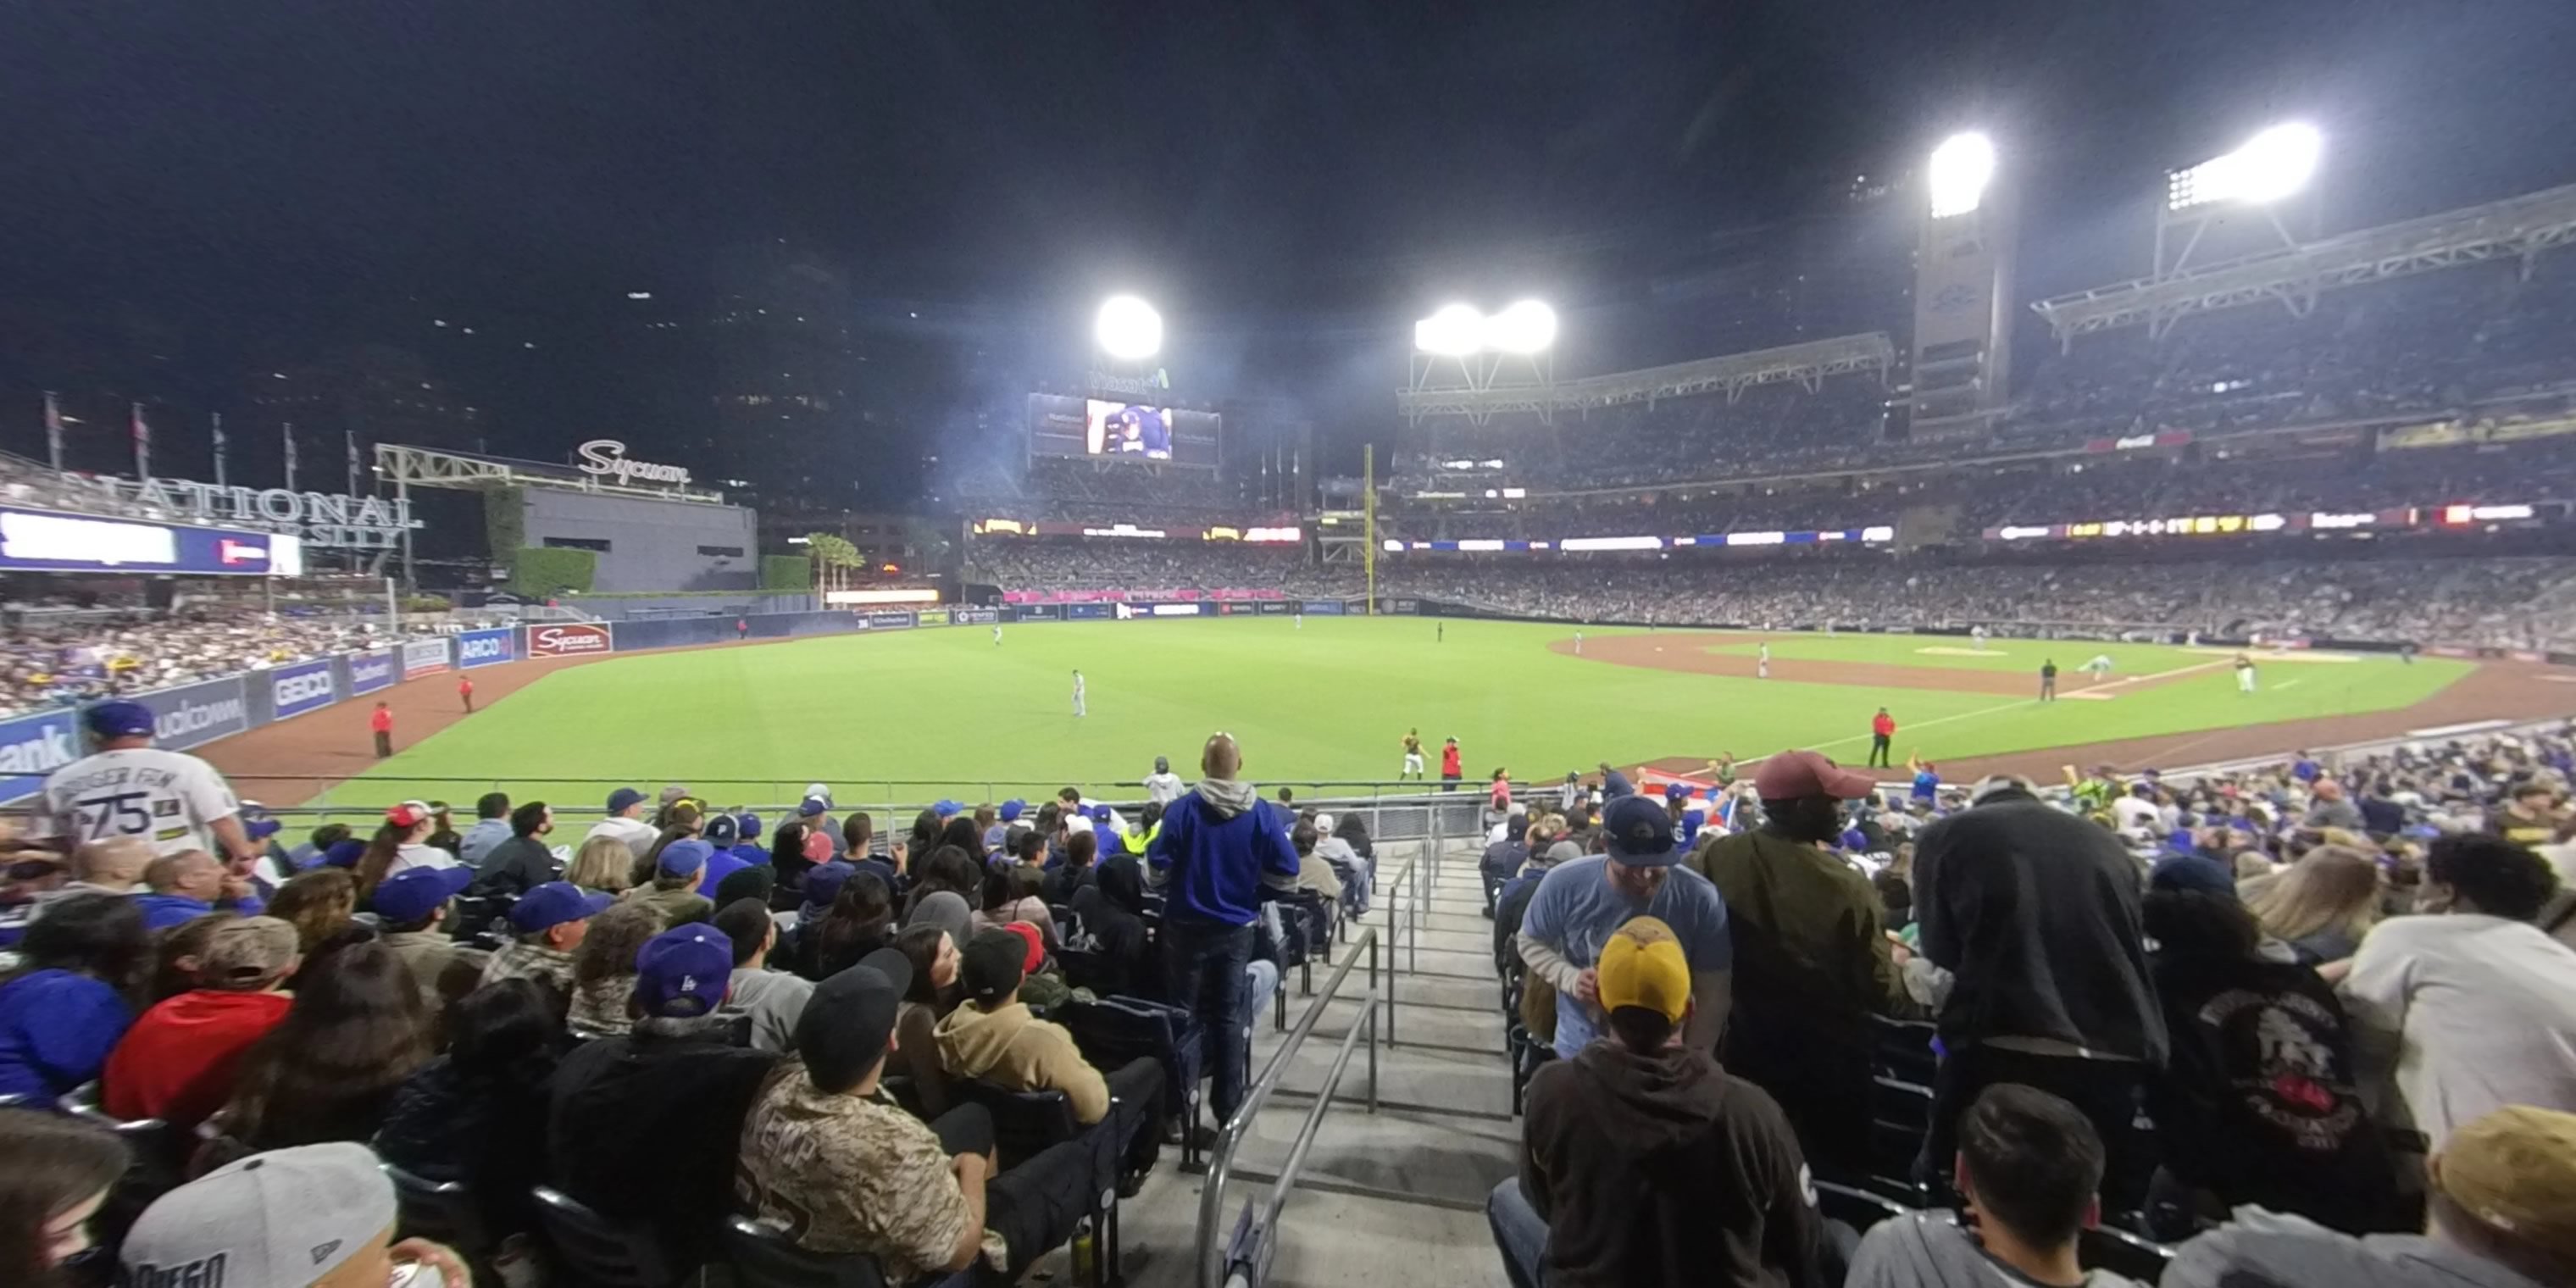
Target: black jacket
515,866
2035,911
646,1128
487,1133
1661,1170
1109,909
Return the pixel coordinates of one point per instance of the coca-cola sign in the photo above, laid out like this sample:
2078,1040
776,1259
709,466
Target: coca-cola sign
568,641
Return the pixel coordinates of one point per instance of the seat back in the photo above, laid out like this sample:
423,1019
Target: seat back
1114,1030
763,1258
439,1211
1025,1123
2103,1247
599,1252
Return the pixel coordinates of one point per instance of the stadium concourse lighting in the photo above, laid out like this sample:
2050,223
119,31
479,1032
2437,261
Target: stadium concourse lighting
1459,331
1961,168
2270,166
1128,329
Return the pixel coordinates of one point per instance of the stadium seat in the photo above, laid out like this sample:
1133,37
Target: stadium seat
763,1258
2104,1247
440,1211
599,1252
1024,1122
1856,1208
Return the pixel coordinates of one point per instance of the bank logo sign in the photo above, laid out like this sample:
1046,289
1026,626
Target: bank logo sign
34,746
421,657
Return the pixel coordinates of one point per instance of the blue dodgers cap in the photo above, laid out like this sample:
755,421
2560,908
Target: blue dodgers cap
344,854
1677,791
947,809
750,825
622,798
1012,809
823,884
1638,831
684,972
680,858
119,720
812,806
554,903
417,893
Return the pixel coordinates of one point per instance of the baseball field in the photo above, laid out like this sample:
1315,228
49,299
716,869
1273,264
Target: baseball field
914,715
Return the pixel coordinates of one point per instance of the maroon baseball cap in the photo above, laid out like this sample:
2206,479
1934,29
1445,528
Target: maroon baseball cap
1789,775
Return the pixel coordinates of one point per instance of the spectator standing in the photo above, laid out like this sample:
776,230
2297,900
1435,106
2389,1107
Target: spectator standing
69,1000
1812,961
2469,1006
1643,1163
2500,1219
178,1062
664,1101
2030,1171
491,828
128,787
1162,786
1453,766
1503,860
380,722
1882,738
625,822
2332,809
1220,844
549,921
1581,904
2034,913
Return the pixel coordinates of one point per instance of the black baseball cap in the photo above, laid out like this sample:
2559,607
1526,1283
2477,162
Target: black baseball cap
1638,831
849,1020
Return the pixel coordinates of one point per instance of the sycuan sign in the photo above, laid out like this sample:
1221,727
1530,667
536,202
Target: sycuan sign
607,458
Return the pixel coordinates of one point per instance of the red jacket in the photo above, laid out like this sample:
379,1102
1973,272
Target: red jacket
465,686
1884,725
381,720
1449,760
177,1062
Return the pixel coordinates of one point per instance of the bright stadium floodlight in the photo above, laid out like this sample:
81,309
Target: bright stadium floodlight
1525,327
1452,331
1961,168
2270,166
1128,329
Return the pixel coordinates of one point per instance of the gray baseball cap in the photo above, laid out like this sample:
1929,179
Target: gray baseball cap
284,1218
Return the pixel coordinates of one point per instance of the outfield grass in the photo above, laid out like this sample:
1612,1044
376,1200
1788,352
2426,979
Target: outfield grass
1330,701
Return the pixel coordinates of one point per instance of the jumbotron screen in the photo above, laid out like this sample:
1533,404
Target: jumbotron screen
1065,426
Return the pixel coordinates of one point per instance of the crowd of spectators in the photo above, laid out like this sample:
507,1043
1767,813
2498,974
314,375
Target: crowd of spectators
54,659
1074,491
1146,566
1766,429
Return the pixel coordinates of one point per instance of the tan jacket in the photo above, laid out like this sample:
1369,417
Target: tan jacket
1011,1048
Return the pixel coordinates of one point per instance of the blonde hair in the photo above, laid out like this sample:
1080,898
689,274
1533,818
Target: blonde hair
603,863
2331,887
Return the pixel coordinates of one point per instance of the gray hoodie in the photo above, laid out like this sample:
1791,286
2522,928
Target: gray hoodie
1928,1250
2260,1249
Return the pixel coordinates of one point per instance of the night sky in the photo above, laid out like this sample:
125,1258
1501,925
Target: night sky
254,181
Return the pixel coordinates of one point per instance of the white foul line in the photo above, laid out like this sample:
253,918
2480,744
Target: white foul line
2009,706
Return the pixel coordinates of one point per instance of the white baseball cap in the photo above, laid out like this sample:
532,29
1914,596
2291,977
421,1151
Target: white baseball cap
285,1218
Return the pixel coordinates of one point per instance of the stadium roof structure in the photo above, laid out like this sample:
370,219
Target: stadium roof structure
2520,227
409,467
1808,364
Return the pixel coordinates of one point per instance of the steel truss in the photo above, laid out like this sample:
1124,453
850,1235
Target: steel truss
2518,227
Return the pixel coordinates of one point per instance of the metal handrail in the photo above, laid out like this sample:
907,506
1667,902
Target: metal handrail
1220,1158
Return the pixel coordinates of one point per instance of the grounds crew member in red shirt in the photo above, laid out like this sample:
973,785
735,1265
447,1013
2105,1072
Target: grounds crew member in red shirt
177,1062
381,720
1452,766
465,690
1882,730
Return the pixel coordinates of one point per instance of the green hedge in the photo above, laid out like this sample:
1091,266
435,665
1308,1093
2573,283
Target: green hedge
505,521
786,572
541,572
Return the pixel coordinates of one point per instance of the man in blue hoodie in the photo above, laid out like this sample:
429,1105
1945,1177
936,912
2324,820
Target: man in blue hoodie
1220,843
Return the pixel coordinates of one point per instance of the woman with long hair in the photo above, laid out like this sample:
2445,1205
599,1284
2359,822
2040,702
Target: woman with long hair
182,952
1003,904
356,1030
477,1115
787,854
320,904
2320,905
55,1174
402,842
962,833
72,994
603,969
952,870
933,994
603,865
860,922
924,836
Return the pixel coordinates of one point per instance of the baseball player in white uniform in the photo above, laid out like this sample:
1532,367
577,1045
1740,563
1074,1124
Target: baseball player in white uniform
1762,661
128,787
2100,667
1077,694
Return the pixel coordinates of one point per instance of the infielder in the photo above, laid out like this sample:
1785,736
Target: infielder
2244,674
1578,643
2099,667
1977,637
1762,661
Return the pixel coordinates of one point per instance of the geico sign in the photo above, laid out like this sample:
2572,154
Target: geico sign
607,457
557,641
293,689
488,646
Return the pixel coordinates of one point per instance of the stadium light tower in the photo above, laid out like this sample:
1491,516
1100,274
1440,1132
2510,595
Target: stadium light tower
1462,349
1128,329
2269,168
1961,168
1962,292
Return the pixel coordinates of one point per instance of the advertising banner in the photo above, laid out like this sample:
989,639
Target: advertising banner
487,648
974,616
1274,608
889,621
578,639
421,657
931,617
1130,612
1402,606
1037,613
40,540
306,686
194,714
1321,607
34,746
369,672
1089,612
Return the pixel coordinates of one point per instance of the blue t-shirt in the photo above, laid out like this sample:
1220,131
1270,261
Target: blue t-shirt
1926,785
1576,911
56,1029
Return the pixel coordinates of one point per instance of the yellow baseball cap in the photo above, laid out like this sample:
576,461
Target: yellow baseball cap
2514,1171
1643,965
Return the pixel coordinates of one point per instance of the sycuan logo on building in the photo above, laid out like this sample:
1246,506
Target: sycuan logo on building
567,641
486,648
298,689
